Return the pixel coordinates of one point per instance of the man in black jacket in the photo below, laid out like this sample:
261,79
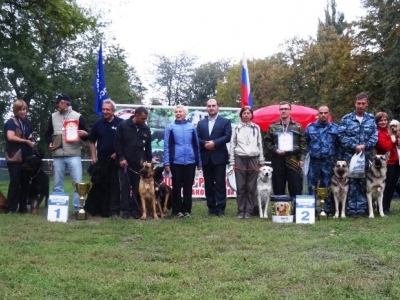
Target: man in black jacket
132,145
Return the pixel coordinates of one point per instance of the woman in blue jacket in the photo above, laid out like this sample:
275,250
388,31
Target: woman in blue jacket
181,156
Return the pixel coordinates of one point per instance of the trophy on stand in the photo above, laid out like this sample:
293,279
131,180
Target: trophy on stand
321,194
82,189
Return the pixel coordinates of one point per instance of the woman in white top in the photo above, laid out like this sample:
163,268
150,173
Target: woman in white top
246,156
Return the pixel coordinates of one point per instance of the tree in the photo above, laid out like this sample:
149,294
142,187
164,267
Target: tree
204,81
172,78
51,46
379,43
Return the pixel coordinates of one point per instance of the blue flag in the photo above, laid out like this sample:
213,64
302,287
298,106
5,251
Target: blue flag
99,85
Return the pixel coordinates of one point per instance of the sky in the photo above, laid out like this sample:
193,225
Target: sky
210,29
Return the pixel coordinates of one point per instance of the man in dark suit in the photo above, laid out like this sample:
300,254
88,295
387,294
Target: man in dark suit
214,132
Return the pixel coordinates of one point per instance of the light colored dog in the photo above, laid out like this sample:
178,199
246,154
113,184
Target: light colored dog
394,129
340,187
264,189
376,177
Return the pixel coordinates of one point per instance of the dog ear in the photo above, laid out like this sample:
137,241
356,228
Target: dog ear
387,154
37,153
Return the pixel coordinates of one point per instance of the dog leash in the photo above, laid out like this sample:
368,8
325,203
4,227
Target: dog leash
254,169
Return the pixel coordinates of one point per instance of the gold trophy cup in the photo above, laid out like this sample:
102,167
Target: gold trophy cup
82,189
321,194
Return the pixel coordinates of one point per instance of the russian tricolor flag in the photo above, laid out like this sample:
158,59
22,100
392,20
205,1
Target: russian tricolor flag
247,100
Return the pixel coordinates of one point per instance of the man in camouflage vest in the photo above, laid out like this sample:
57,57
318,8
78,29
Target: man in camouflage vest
286,146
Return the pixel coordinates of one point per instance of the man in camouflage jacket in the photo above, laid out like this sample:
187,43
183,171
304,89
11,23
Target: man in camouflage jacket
287,164
357,132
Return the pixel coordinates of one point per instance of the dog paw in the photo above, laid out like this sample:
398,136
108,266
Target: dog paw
144,217
336,217
371,216
393,138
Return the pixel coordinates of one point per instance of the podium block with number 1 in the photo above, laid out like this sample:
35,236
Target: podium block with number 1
305,209
58,207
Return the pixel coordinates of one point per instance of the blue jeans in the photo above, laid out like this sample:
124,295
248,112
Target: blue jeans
73,165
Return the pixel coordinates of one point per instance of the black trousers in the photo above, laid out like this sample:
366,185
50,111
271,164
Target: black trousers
392,176
215,187
182,177
286,170
111,187
104,197
17,194
129,186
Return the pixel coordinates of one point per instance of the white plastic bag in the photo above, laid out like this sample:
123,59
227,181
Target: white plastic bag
357,165
306,165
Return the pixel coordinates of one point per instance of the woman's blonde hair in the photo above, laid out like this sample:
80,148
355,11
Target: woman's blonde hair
18,105
184,108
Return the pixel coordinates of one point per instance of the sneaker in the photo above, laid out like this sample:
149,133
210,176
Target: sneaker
240,215
125,216
179,215
247,215
186,215
114,216
221,215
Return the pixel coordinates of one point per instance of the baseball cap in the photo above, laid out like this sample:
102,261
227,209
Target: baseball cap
61,96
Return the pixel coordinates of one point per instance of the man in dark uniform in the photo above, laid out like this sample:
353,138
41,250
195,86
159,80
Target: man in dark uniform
102,138
132,145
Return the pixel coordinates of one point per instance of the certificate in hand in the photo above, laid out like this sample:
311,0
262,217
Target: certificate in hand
71,130
285,141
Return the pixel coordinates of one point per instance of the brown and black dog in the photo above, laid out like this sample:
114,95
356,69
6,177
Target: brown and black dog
36,183
3,200
162,191
146,190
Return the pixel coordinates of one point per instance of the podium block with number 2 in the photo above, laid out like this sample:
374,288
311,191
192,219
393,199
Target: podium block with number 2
58,207
305,209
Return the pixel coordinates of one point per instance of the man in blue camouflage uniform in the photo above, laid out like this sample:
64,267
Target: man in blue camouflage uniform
322,141
357,133
321,137
287,164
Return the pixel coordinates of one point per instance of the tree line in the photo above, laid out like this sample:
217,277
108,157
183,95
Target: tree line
51,46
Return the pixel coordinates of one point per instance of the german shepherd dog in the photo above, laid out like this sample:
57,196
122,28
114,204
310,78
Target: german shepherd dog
163,192
36,183
340,186
146,190
376,177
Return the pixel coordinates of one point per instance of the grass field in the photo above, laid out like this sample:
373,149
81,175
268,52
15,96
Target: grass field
199,258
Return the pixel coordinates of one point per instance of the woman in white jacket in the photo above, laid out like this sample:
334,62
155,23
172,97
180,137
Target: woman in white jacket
246,156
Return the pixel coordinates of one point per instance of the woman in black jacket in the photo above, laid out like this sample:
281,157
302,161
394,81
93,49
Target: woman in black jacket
18,135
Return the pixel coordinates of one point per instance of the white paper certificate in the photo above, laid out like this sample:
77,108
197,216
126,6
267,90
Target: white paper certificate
285,141
71,131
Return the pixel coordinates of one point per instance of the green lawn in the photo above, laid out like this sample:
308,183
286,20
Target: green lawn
199,258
